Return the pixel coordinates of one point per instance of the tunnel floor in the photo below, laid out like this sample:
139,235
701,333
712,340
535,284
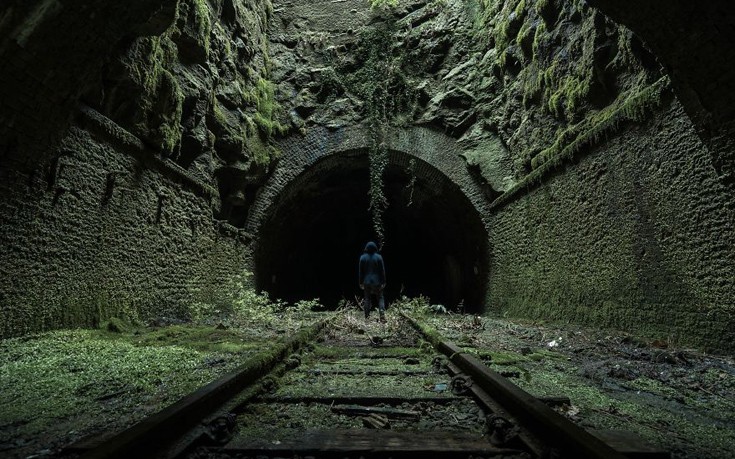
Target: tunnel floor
59,387
435,245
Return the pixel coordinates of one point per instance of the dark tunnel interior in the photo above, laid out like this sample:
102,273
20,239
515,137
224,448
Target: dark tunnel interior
435,243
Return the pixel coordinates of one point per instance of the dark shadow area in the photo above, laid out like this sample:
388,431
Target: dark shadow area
435,241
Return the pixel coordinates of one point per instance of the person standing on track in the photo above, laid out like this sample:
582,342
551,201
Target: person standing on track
372,279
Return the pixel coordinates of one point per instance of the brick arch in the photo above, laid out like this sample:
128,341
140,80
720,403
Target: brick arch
436,155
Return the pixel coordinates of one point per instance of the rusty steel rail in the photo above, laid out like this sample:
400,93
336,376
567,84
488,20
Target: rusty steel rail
167,425
548,425
529,425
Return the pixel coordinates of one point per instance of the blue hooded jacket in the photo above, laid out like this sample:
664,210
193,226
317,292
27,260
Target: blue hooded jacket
372,269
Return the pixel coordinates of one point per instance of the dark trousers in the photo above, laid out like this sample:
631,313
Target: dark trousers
373,298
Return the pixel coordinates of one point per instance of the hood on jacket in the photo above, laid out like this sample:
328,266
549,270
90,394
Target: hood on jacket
371,247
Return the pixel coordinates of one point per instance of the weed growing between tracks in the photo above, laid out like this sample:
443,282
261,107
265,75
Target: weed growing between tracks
361,359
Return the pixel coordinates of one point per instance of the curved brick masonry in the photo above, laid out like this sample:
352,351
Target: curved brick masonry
437,154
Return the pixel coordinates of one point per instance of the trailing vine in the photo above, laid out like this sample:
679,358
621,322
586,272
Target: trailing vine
378,158
412,183
379,79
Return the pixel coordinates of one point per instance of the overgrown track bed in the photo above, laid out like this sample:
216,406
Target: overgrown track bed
348,387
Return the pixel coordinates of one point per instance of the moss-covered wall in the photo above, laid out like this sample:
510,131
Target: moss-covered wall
694,40
135,206
636,235
100,234
618,216
201,95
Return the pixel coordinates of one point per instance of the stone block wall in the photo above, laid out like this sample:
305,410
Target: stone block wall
637,236
99,222
95,233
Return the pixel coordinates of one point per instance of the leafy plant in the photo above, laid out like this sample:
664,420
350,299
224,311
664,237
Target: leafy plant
416,306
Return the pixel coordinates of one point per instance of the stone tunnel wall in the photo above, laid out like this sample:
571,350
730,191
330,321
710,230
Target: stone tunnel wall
104,232
128,210
635,236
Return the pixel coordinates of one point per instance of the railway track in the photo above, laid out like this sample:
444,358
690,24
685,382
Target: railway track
344,388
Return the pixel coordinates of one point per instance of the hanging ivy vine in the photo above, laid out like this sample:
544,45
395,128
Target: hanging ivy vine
411,187
379,78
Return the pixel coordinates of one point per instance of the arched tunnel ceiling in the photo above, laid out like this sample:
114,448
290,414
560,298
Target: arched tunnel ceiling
312,221
302,152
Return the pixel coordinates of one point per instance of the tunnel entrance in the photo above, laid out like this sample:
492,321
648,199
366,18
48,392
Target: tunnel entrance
435,241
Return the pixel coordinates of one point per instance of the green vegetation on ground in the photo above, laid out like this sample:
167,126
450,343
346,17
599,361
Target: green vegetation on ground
65,375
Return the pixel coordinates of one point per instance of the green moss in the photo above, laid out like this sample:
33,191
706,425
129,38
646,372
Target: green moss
201,338
520,9
540,35
565,92
632,107
576,91
524,33
59,375
572,92
263,96
429,333
501,33
654,419
227,48
219,113
257,130
532,80
62,376
170,127
162,99
550,74
203,23
262,152
624,57
501,16
260,128
555,103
